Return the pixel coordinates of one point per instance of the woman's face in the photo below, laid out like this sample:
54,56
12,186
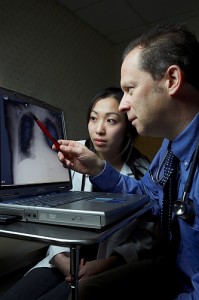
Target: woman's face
107,127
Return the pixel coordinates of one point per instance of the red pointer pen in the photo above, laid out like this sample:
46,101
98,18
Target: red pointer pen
45,131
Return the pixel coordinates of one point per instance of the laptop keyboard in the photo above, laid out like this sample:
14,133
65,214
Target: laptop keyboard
52,200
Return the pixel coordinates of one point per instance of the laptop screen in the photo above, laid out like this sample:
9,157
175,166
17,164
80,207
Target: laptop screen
27,161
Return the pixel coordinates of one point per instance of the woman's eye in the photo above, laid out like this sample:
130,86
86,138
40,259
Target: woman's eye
92,118
111,121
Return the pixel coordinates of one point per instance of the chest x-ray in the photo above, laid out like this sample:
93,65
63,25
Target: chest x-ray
26,152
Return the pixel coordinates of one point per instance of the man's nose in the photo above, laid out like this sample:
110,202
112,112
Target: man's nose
124,105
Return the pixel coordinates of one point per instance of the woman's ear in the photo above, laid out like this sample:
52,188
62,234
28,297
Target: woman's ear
174,76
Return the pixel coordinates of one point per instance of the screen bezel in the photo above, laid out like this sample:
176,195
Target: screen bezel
39,188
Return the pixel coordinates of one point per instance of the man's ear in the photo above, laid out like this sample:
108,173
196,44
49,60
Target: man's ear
174,76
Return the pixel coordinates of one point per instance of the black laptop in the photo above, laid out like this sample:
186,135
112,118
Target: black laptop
35,186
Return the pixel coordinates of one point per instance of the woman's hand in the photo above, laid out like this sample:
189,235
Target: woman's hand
79,158
62,262
95,267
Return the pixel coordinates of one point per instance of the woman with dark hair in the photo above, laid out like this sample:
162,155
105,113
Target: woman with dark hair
111,137
135,160
109,144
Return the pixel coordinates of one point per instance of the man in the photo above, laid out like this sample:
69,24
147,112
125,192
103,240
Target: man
159,77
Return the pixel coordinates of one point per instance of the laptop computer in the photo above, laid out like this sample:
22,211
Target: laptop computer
35,186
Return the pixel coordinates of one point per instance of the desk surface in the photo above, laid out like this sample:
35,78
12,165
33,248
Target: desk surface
74,237
63,235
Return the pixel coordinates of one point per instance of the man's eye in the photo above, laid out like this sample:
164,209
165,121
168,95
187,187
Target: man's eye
130,90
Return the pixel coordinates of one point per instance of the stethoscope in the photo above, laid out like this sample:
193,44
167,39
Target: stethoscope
184,207
156,178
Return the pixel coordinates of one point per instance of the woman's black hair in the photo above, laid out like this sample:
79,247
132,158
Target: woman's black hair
129,154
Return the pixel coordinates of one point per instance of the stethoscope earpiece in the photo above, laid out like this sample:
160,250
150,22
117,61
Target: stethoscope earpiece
184,210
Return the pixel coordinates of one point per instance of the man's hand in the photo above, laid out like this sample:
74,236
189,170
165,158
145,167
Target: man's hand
79,158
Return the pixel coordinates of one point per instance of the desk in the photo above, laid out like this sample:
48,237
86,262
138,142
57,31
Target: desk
74,237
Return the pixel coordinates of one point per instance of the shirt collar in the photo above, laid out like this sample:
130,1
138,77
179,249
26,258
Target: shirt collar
185,143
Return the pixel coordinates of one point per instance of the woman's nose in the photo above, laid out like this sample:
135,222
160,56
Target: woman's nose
100,128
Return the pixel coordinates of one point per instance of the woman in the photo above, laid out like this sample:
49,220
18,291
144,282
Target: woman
112,137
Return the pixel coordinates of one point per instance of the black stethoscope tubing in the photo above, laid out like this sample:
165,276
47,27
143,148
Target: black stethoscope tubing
191,173
156,178
184,207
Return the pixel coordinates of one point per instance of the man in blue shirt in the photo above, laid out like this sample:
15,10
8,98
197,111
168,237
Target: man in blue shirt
159,77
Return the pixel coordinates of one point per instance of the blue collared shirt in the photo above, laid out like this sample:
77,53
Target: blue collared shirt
183,147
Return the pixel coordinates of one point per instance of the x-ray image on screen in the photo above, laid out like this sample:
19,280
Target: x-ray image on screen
28,152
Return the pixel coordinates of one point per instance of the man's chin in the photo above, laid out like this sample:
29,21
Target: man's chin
134,124
139,129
